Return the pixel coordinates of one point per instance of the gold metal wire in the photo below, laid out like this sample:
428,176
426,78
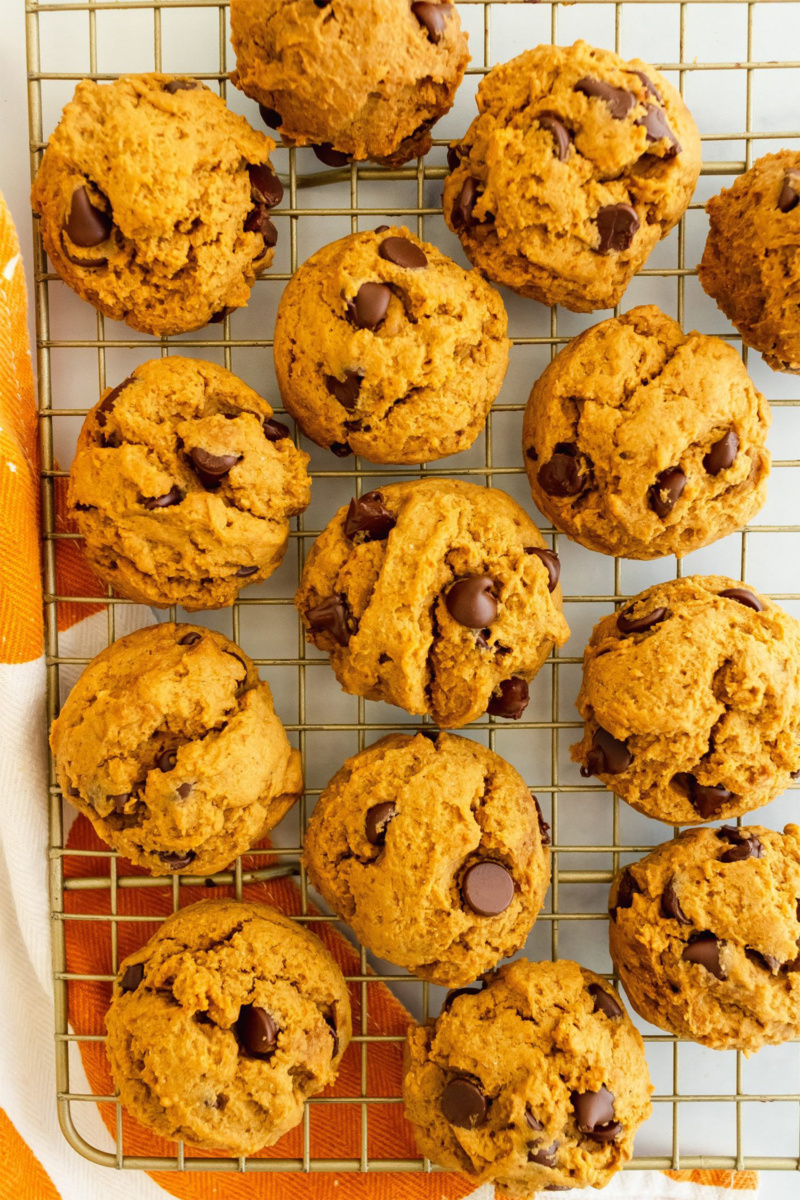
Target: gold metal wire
290,215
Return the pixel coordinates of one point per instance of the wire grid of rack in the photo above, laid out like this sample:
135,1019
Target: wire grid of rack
614,849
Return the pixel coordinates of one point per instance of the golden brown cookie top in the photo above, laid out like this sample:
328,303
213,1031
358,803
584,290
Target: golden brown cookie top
170,745
385,346
154,200
642,441
539,1080
183,484
705,932
578,162
364,80
436,595
434,851
224,1023
750,264
691,700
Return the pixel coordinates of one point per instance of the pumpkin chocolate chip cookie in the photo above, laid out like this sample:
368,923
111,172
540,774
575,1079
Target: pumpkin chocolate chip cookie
536,1083
705,931
386,347
691,701
577,164
436,595
170,745
435,852
353,79
182,485
641,441
751,262
154,201
224,1023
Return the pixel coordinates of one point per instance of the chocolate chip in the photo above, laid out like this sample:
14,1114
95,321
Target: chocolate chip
462,214
743,596
86,225
706,799
551,562
544,828
531,454
665,493
258,221
340,449
743,844
173,496
619,101
377,822
604,1002
722,454
210,468
270,117
471,602
330,1021
554,125
650,86
120,800
178,859
627,888
763,960
532,1122
368,515
73,791
107,403
403,253
562,475
256,1030
244,572
190,638
345,390
670,905
546,1157
369,306
655,126
84,262
626,624
432,18
275,431
616,224
166,760
488,888
330,157
512,700
333,616
703,948
181,85
463,1103
134,974
218,317
220,1102
455,993
265,185
453,157
594,1113
184,790
607,755
790,192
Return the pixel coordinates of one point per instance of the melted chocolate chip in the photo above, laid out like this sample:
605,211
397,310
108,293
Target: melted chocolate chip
345,390
555,125
210,468
330,157
181,85
275,431
604,1002
743,844
455,993
551,562
656,127
244,572
627,624
619,101
256,1031
665,493
706,799
562,475
92,263
107,403
463,1103
745,597
133,976
258,221
453,157
607,755
462,215
184,790
532,1122
627,888
369,306
368,515
471,601
166,760
789,197
650,86
763,960
545,1157
340,449
403,253
594,1114
512,699
330,1021
617,224
270,117
173,496
432,18
544,828
86,225
333,616
703,948
120,800
670,905
178,859
218,317
265,185
722,454
377,822
487,888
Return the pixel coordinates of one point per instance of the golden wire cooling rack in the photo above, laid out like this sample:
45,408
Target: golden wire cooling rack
723,54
